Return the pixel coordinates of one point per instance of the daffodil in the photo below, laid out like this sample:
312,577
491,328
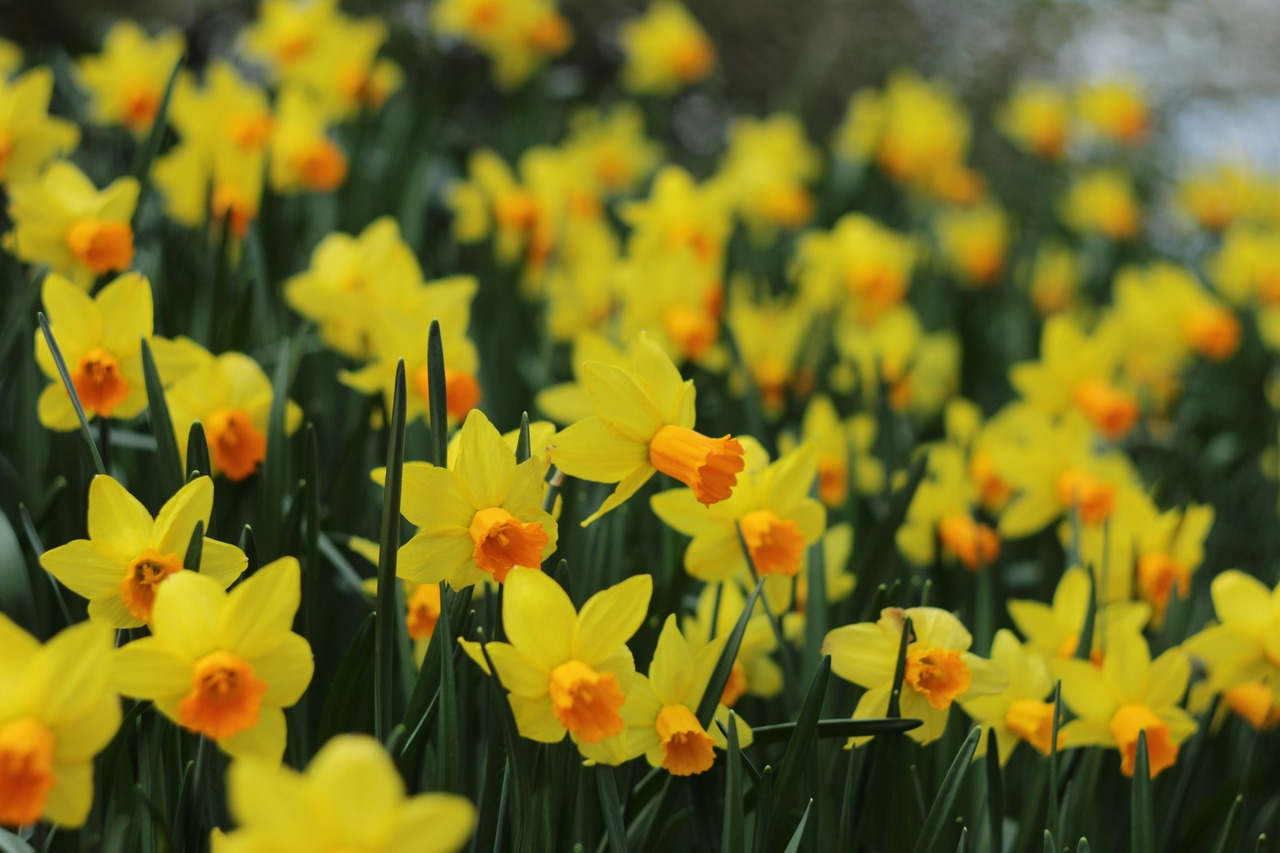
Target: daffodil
1129,694
666,49
302,157
126,81
520,36
940,669
350,797
771,337
754,672
100,340
57,711
224,665
63,220
612,146
1037,118
1115,109
129,555
643,424
974,241
1054,629
1056,275
766,171
1246,270
1020,712
29,136
287,33
1245,645
941,518
859,264
822,427
1215,198
1103,203
565,671
661,714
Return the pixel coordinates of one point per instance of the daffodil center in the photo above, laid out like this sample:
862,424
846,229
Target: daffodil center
776,544
99,383
147,571
1033,722
833,480
230,204
974,544
735,686
423,611
1254,701
939,675
225,696
26,770
1111,410
686,747
321,165
1127,722
503,542
709,466
692,60
1213,332
586,702
251,130
1158,575
101,246
1094,498
692,329
237,446
141,103
484,17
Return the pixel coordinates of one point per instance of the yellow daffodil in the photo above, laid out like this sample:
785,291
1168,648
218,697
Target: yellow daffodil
481,517
766,171
62,220
822,427
940,520
1245,645
350,797
126,81
1116,109
859,264
666,49
1054,630
567,402
643,424
57,710
568,672
940,669
837,546
302,157
1020,712
29,136
673,298
1056,276
661,712
680,215
1246,271
1215,198
1037,118
520,36
129,555
101,341
974,241
754,671
612,147
287,33
224,665
1103,203
1130,693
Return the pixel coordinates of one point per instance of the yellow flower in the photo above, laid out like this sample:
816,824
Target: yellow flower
287,32
940,669
482,516
643,424
224,665
567,671
62,220
974,241
940,520
1116,109
1037,118
771,337
612,147
29,136
126,82
754,672
101,342
1167,317
10,58
57,710
835,441
1130,693
1246,270
344,72
1217,198
1055,279
1021,711
1054,630
129,556
661,713
231,397
765,172
770,505
350,797
518,35
680,216
302,157
1245,646
666,49
860,263
568,402
1102,202
675,299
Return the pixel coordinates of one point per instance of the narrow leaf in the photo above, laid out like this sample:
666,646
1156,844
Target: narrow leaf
197,452
899,672
387,618
995,793
61,364
437,397
720,675
840,728
793,846
611,808
449,734
1226,837
167,455
733,836
798,755
524,444
195,548
1142,838
940,813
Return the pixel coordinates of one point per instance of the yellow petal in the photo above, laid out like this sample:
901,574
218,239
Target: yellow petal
863,654
1241,601
539,617
433,823
118,518
1126,664
671,671
127,312
589,450
681,510
178,517
147,669
75,671
72,795
186,613
655,370
519,674
287,670
222,562
267,797
265,741
536,719
431,558
259,613
90,734
611,617
432,498
1084,689
74,319
89,569
485,464
629,486
377,797
112,613
620,401
716,557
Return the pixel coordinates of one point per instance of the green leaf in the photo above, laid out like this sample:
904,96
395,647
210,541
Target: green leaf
940,812
350,689
899,671
524,445
169,460
733,835
195,548
17,597
437,397
1142,837
611,808
61,364
250,548
720,675
1083,846
793,846
449,734
1053,755
964,840
817,613
1049,845
148,152
387,618
1084,646
1229,839
838,728
276,482
197,452
799,753
312,589
995,793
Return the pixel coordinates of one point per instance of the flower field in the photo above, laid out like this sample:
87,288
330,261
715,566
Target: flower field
415,439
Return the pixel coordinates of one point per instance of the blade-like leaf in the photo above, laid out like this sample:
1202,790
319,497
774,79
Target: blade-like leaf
995,793
198,464
793,846
940,812
1142,830
524,445
167,455
720,675
799,752
437,396
1228,839
387,618
611,808
61,364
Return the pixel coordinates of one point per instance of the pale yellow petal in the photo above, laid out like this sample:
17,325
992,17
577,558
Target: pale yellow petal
538,617
486,465
147,669
287,670
589,450
117,517
89,569
178,517
611,617
186,613
671,671
265,741
431,558
536,719
259,612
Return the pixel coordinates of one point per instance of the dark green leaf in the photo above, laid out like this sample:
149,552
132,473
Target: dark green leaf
169,460
195,548
61,364
796,837
611,808
524,445
437,397
1142,838
388,621
940,812
720,675
799,752
733,836
197,452
995,793
1228,839
899,671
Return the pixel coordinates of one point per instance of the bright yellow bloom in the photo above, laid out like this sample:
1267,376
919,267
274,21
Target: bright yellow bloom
974,241
1037,118
1020,711
940,669
1054,630
917,371
1055,279
482,516
1245,646
350,797
661,712
302,157
29,136
771,337
766,170
287,33
1103,202
666,49
224,665
101,341
520,36
1116,109
567,671
57,710
842,461
1130,693
568,402
860,264
676,300
940,521
10,58
770,505
1217,198
126,82
129,556
837,545
62,220
643,424
680,216
754,672
1246,270
612,147
231,396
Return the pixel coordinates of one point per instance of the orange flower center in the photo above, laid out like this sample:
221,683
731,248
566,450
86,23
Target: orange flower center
939,675
1157,576
228,202
423,611
516,211
6,148
709,466
250,131
686,747
147,571
833,480
1033,722
735,686
1127,722
993,491
549,34
141,103
1213,332
771,375
461,391
1094,498
692,60
26,770
225,697
1111,410
322,166
1254,701
776,544
586,702
98,382
788,206
972,543
485,15
879,287
101,246
504,542
236,444
692,329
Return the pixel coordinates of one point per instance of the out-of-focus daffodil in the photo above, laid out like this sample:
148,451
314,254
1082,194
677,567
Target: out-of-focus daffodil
126,82
666,49
1020,712
1037,118
29,136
